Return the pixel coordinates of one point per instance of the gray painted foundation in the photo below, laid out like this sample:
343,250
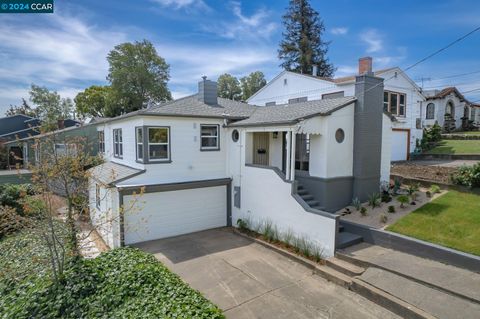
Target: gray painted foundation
332,193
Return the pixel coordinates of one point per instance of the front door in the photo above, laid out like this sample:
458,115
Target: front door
260,148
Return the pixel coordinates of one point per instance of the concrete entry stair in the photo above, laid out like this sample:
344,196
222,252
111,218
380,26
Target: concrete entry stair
440,290
307,197
347,239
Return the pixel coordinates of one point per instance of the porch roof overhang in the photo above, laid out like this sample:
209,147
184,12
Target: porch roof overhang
291,114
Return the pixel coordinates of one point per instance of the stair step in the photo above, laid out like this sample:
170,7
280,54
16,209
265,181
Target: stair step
299,187
346,239
302,192
333,275
341,228
312,203
307,197
345,267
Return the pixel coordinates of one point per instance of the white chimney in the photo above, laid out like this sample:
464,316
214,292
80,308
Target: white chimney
314,70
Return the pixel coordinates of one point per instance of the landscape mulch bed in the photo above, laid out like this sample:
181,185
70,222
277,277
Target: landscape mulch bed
439,174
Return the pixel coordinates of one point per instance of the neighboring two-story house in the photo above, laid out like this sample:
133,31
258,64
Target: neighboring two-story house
412,108
202,162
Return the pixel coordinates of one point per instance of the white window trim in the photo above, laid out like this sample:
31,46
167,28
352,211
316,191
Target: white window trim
389,107
138,143
217,137
118,142
101,142
167,159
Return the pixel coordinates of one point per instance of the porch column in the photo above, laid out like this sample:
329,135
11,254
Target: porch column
287,157
292,161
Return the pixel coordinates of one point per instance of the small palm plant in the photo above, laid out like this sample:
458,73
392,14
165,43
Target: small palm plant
403,199
356,203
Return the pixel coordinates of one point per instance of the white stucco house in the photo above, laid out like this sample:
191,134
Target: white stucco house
402,97
203,162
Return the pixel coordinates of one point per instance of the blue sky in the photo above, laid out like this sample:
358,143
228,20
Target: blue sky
66,51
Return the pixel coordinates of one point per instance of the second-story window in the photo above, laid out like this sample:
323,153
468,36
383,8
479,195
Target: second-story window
395,103
209,137
101,142
139,142
117,143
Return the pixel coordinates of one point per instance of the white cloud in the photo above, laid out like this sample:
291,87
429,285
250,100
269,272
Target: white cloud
344,70
182,4
339,31
256,26
190,62
373,40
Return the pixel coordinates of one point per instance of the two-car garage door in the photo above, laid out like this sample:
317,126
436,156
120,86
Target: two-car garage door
400,144
171,213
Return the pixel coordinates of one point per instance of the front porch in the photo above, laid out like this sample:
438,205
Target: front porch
301,157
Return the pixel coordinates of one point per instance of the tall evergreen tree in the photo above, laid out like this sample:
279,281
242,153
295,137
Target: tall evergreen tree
302,46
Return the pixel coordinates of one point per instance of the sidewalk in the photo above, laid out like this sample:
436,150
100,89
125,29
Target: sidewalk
442,290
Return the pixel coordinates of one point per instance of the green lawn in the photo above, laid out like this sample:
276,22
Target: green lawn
456,147
451,220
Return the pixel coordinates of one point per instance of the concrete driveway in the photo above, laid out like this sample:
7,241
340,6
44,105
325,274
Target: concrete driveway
248,280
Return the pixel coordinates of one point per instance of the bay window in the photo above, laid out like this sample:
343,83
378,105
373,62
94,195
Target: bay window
158,143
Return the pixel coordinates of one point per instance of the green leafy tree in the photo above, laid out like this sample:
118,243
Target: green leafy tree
302,46
251,84
229,87
50,106
138,75
24,109
94,101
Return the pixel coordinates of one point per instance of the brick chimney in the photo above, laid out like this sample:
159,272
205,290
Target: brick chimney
207,91
365,65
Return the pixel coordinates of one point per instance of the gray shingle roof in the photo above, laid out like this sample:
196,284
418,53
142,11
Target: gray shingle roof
110,173
191,106
289,113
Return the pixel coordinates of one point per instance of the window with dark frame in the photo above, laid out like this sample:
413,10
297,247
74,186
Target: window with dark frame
430,111
117,143
395,103
209,137
101,142
158,143
139,143
97,195
271,103
298,100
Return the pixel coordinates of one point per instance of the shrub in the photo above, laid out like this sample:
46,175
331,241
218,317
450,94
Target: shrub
356,203
317,252
305,246
288,237
397,184
468,176
403,199
383,218
386,198
11,195
242,224
428,194
435,189
121,283
267,229
374,200
11,221
363,211
391,209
